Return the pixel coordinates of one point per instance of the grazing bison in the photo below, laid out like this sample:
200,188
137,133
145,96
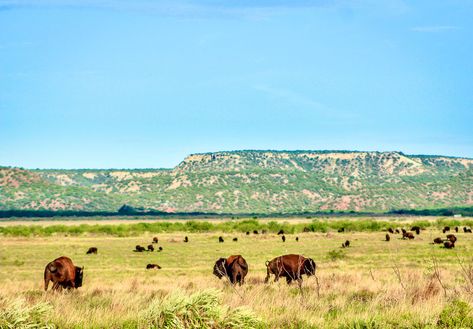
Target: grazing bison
297,239
281,232
63,274
247,233
139,248
186,239
92,250
397,231
438,241
346,244
235,239
403,231
452,238
456,229
234,267
446,229
449,244
151,266
160,249
255,232
467,230
155,239
415,229
150,247
283,238
408,235
390,230
220,239
340,230
292,267
388,238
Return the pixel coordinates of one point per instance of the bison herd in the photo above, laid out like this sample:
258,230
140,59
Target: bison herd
64,274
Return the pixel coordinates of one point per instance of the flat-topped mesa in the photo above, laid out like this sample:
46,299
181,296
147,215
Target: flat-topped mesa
330,162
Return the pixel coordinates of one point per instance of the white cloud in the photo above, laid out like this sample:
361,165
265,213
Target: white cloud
434,28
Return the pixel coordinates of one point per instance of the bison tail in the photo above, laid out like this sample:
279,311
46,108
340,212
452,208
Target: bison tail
266,263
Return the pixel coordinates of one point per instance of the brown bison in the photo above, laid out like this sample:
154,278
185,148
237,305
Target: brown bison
390,230
449,244
150,247
438,241
292,267
388,238
446,229
415,229
247,233
234,268
155,239
281,232
341,230
220,239
397,231
139,248
160,249
467,230
452,238
92,250
456,229
306,229
297,239
63,274
408,235
346,244
255,232
151,266
186,239
235,239
283,238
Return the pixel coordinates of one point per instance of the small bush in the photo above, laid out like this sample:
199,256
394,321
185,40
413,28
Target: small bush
336,254
457,314
199,310
19,315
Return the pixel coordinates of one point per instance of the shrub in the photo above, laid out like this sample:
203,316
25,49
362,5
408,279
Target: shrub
199,310
336,254
17,313
457,314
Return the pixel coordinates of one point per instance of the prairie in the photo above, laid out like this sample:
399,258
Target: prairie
371,284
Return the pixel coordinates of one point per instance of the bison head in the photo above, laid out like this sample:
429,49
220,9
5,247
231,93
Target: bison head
219,268
309,266
79,276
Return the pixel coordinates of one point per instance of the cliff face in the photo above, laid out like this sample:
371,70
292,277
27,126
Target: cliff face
253,181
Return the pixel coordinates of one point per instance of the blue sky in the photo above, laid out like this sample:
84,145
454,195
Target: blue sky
139,84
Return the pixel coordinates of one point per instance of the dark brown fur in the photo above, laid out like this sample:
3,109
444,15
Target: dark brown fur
452,238
292,267
408,235
151,266
388,238
449,244
438,240
63,274
92,250
234,267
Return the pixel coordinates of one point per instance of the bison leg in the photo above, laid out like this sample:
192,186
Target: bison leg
299,282
288,279
267,275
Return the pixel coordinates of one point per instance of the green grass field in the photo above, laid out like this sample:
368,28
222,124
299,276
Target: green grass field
372,284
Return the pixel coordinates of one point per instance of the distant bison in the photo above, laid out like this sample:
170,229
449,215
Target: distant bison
234,268
292,267
283,238
255,232
416,229
388,238
139,248
306,229
155,239
449,244
235,239
390,230
150,247
151,266
403,231
281,232
92,250
247,233
63,274
467,230
340,230
346,244
456,229
220,239
446,229
297,239
408,235
186,239
438,240
160,249
452,238
397,231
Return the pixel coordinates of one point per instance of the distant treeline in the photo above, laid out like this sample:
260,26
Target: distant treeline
129,211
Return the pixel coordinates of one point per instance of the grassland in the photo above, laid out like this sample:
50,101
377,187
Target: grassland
372,284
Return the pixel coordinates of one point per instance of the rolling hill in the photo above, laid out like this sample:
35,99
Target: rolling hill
252,182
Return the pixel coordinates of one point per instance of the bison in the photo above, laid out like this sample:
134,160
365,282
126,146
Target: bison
408,235
151,266
220,239
150,247
63,274
456,229
283,238
438,241
341,230
452,238
235,239
247,233
346,244
234,268
255,232
297,239
292,267
186,239
416,229
449,244
92,250
306,229
397,231
160,249
155,239
281,232
139,248
390,230
388,238
446,229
